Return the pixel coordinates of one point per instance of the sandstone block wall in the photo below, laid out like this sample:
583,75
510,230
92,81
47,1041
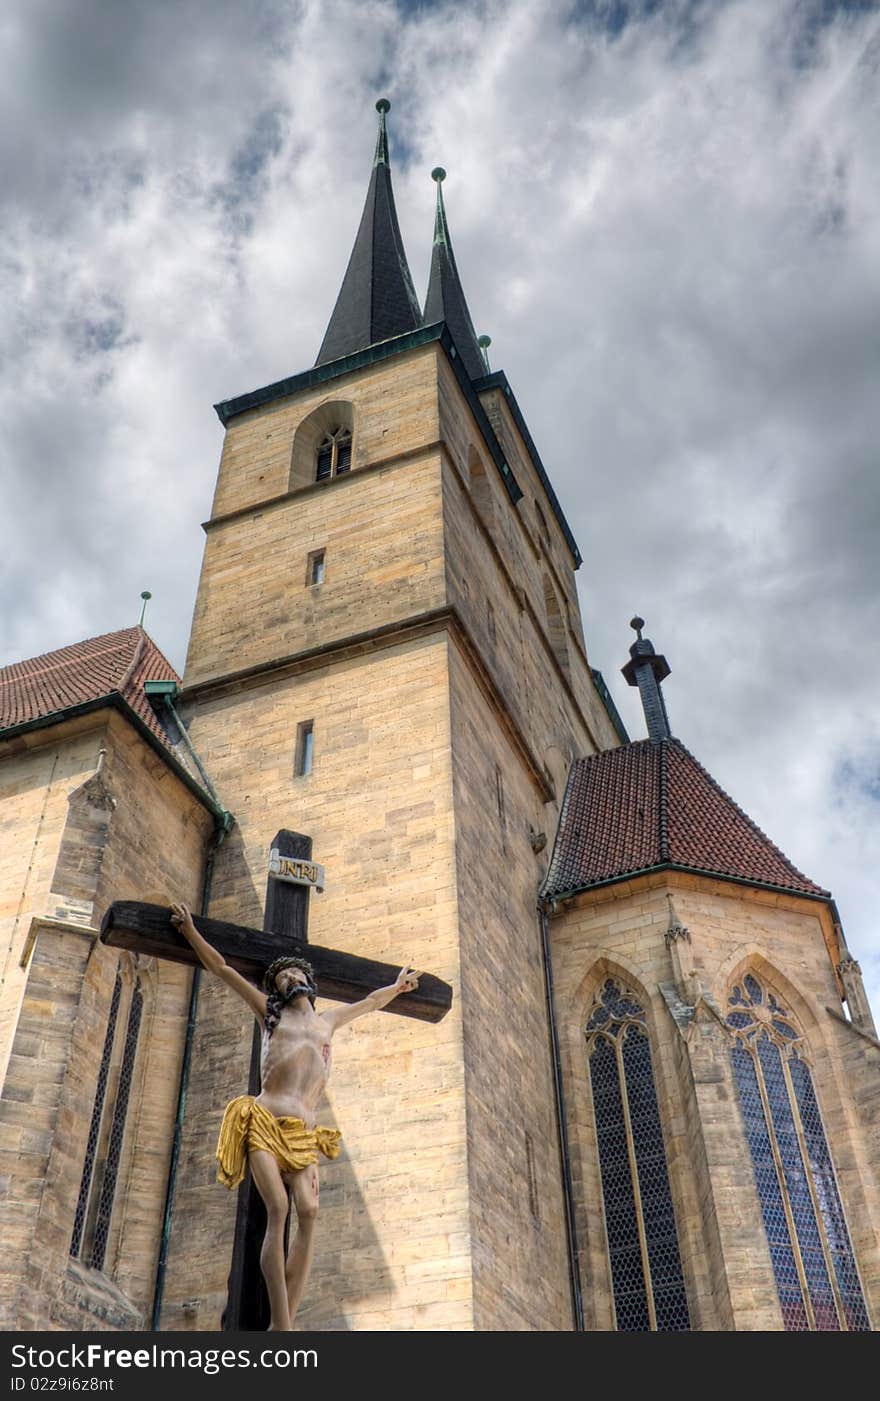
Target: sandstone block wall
517,1221
131,832
621,932
394,1246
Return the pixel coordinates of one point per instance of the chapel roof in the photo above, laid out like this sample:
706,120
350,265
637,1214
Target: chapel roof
651,805
51,686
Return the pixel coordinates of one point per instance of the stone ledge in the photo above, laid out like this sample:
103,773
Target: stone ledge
94,1293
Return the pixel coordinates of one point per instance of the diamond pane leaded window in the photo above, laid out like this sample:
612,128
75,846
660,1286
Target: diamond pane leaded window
117,1130
85,1185
646,1274
810,1250
107,1127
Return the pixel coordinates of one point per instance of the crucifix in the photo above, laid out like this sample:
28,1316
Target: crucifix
343,977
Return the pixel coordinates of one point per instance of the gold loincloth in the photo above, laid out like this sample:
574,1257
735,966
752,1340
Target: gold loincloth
248,1126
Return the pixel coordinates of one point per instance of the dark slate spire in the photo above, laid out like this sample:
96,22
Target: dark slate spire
445,300
646,670
377,299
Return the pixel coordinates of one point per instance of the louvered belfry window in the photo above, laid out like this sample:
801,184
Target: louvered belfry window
810,1250
646,1274
97,1191
334,454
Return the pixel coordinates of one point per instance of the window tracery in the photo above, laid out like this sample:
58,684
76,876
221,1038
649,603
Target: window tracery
646,1273
810,1250
334,454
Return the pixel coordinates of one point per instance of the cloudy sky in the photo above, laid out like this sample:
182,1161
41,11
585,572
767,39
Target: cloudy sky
666,214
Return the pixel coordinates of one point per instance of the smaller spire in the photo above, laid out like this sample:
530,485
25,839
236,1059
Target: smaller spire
647,670
446,300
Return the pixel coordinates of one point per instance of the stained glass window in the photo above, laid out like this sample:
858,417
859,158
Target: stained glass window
810,1250
117,1129
95,1125
104,1144
643,1253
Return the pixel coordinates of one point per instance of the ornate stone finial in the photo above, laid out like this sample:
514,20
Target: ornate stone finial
484,342
647,670
441,231
854,989
381,157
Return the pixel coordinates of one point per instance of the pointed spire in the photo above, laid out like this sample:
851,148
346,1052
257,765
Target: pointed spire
377,299
445,300
647,670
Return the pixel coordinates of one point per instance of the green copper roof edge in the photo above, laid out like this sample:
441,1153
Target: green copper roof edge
320,374
498,380
334,369
607,701
116,701
466,385
823,898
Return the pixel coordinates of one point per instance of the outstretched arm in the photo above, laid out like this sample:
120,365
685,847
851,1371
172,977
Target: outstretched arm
407,981
216,963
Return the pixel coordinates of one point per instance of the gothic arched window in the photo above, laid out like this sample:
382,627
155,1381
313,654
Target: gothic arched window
334,454
97,1190
646,1273
810,1250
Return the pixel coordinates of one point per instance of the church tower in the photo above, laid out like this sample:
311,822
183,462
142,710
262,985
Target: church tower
387,654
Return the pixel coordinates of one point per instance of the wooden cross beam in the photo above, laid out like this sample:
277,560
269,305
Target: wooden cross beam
343,977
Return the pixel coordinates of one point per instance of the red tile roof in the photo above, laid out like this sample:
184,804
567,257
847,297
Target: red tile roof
648,805
52,685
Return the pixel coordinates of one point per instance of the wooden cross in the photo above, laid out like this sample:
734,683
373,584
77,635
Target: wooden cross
344,977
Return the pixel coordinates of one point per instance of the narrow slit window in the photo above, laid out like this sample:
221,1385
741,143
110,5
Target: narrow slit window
304,749
499,799
117,1132
315,568
85,1185
490,621
534,1201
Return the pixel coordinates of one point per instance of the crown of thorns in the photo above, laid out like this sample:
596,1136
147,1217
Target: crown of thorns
275,968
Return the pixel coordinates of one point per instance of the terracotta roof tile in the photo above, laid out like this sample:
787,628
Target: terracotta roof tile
53,684
648,805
